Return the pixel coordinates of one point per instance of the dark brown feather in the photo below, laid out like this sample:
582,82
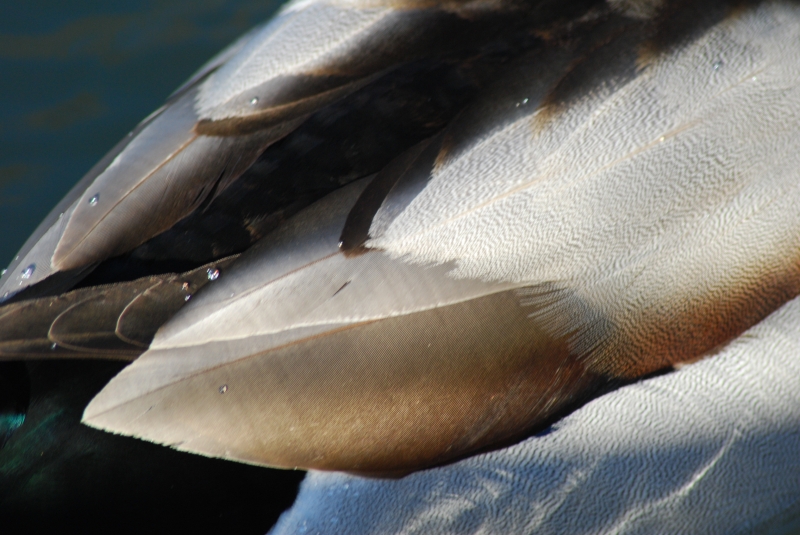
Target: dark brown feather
115,321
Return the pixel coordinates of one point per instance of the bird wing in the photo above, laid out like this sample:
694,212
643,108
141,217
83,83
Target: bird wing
614,219
213,129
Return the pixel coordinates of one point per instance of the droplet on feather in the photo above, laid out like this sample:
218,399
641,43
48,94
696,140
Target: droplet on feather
27,273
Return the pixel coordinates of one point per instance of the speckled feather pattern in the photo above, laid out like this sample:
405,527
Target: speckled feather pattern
652,197
615,180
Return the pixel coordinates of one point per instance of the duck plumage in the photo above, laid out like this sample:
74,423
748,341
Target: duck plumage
598,193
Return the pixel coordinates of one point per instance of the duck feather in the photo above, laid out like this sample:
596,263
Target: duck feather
535,210
610,200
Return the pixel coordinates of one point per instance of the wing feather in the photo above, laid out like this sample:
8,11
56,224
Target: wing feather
509,274
116,321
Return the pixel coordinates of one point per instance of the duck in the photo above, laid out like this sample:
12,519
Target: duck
484,266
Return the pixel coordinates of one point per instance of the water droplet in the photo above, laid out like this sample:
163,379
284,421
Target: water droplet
254,101
718,65
524,101
223,389
53,345
94,200
5,295
213,274
3,272
340,244
755,78
61,215
187,297
185,286
27,273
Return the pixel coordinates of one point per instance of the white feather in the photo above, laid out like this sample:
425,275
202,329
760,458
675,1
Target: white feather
299,41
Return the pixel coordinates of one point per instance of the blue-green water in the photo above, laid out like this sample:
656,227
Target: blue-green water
76,76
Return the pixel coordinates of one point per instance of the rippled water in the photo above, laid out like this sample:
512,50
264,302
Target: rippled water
76,76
